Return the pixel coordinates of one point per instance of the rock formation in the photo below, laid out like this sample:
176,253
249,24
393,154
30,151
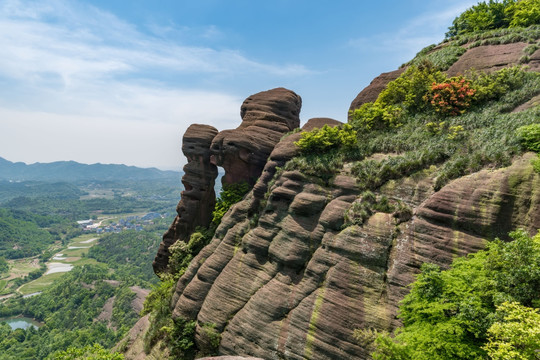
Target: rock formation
492,58
295,285
287,277
198,198
266,117
371,92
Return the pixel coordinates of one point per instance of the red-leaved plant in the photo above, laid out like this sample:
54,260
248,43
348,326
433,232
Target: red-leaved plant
451,97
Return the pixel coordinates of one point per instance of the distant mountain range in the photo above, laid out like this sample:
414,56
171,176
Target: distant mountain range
74,171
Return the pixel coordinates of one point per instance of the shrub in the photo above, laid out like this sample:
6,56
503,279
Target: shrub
516,334
536,164
405,94
183,252
455,132
484,304
376,115
230,195
530,137
452,96
89,352
435,128
326,138
531,49
493,86
524,13
409,88
483,16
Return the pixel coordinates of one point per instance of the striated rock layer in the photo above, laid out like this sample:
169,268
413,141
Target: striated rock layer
198,198
286,277
292,282
266,117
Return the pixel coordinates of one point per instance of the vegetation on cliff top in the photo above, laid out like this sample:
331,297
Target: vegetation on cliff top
494,15
460,125
486,306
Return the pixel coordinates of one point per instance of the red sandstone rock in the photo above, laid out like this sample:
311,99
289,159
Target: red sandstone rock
372,91
266,117
199,198
296,284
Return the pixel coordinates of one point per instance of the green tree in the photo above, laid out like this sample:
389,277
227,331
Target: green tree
516,333
524,13
89,352
453,314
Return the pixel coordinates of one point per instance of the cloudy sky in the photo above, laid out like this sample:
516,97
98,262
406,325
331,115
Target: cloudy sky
116,81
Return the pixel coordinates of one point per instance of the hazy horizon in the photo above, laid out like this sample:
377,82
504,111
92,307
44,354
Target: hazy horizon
104,82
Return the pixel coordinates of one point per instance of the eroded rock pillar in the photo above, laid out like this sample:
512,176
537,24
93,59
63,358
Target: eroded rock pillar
198,198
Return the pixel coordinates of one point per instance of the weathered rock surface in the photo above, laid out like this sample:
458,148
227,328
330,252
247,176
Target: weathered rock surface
293,282
199,198
371,92
266,117
483,58
286,276
488,58
283,152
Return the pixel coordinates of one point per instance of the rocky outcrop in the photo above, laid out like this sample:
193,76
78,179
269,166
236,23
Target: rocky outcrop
283,152
488,58
288,276
482,58
198,198
372,91
266,117
294,280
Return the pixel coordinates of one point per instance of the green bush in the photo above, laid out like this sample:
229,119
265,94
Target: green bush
409,88
405,94
494,15
376,115
230,195
524,13
483,16
89,352
536,164
530,137
183,252
491,86
326,138
515,334
483,304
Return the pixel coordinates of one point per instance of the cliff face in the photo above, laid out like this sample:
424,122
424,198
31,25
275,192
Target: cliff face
285,275
295,285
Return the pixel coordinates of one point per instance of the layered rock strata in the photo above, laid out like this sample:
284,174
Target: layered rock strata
294,280
266,117
198,198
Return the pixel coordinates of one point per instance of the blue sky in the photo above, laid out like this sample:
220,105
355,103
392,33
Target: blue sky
116,81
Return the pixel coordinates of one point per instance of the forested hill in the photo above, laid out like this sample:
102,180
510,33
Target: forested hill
74,171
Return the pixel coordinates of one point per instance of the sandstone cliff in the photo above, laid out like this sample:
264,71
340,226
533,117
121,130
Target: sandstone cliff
286,275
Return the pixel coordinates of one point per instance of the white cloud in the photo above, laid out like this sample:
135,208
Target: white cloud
81,83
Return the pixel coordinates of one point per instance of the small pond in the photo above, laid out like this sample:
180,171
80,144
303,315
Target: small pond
21,322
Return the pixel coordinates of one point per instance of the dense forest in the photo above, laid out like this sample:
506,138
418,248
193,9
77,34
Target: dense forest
92,306
70,309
